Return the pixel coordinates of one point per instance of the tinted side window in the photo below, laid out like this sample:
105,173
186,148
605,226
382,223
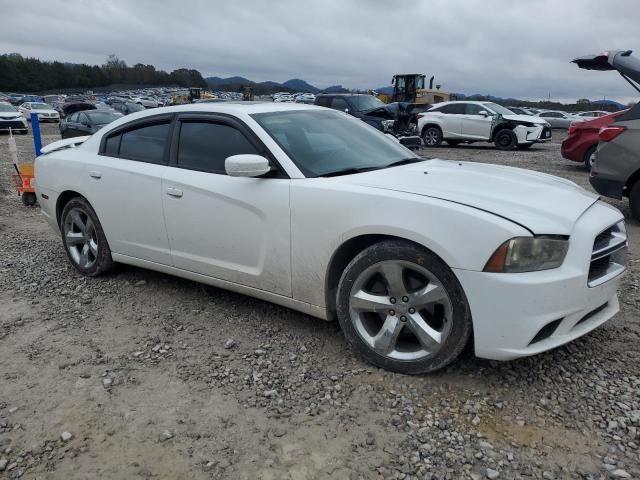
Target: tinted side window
73,118
339,104
205,146
324,101
146,143
453,108
473,109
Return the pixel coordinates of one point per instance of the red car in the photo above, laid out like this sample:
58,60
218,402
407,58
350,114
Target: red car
582,141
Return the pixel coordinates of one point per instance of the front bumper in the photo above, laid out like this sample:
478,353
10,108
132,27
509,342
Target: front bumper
510,310
535,134
19,124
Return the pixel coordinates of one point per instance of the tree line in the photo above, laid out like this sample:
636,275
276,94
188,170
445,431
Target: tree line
23,74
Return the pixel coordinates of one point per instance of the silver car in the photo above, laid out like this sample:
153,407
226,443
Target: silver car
557,119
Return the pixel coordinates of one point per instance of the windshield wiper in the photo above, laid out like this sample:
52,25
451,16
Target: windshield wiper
404,161
348,171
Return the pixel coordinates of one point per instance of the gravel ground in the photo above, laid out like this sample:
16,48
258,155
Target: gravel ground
142,375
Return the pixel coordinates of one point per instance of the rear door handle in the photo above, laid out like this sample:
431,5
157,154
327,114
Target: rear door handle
174,192
96,175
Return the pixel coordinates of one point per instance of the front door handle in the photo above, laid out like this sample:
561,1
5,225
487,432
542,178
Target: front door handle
96,175
174,192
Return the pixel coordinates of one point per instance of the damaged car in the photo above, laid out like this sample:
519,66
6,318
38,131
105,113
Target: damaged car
468,122
397,119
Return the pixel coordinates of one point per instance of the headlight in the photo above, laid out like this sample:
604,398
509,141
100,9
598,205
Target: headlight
528,254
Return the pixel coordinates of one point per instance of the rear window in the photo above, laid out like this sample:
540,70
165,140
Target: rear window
146,143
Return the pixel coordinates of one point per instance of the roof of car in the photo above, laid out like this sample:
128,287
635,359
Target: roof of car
238,107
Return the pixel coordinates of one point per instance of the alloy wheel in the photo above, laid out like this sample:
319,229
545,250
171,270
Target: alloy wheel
401,310
431,137
80,238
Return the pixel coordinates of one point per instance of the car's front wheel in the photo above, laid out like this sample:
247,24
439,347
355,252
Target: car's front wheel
506,139
402,308
432,136
84,239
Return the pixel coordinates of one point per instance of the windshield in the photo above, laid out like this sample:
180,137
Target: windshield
322,142
498,108
7,108
40,106
363,103
102,118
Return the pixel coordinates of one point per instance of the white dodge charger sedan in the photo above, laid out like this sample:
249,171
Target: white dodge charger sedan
315,210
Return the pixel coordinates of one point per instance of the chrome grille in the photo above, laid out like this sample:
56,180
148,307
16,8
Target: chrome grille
609,256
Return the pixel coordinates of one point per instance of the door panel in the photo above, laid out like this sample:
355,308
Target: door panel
476,126
127,199
232,228
451,125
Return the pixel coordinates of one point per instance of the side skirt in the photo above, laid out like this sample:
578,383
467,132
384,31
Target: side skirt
309,309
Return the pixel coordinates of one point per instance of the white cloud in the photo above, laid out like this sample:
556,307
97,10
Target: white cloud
502,47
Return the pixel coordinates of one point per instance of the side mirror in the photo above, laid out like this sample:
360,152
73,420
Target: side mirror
484,113
246,165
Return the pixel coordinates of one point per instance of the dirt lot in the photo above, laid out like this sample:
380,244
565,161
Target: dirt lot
152,376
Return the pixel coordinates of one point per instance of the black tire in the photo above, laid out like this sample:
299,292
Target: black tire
634,200
397,250
432,136
587,157
29,199
102,262
453,143
505,139
525,146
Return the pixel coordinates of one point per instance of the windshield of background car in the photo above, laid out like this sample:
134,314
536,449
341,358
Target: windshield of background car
366,102
102,118
498,108
320,142
7,108
40,106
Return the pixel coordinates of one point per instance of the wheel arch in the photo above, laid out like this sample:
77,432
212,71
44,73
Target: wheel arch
633,179
64,198
430,124
346,252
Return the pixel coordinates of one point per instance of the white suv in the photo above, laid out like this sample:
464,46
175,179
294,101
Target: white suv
469,122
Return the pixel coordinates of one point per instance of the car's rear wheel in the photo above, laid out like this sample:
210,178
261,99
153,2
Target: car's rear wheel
432,136
634,200
402,308
505,139
590,157
84,239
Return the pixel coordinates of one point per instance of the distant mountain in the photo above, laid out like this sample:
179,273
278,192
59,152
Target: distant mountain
299,85
335,89
229,81
385,90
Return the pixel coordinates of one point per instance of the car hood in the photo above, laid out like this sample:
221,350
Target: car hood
43,110
7,115
525,118
541,203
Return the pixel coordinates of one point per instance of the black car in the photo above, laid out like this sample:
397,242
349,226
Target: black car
126,108
396,118
86,122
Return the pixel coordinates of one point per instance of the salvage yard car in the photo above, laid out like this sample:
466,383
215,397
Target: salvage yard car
615,172
86,122
315,210
11,118
45,112
461,121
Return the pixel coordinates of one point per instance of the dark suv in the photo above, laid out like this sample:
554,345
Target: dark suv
396,119
616,170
